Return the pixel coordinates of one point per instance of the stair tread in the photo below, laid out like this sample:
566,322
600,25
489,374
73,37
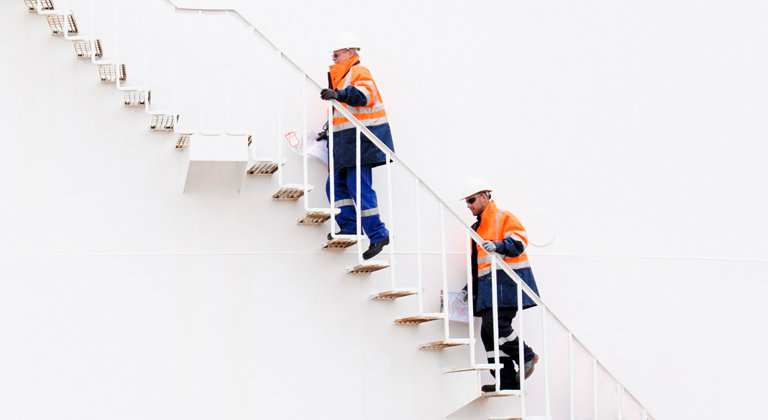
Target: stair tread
315,217
367,268
437,345
394,294
340,242
502,393
418,319
290,192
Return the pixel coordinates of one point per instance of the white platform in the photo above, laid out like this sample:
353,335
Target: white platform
216,163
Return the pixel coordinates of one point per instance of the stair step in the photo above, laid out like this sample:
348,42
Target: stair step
84,48
340,242
109,73
438,345
61,23
317,217
394,294
163,122
367,268
502,393
46,5
137,97
417,319
264,167
471,368
507,418
290,192
183,141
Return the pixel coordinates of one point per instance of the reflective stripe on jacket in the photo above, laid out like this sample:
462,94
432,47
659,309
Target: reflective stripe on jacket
369,108
359,94
506,231
497,225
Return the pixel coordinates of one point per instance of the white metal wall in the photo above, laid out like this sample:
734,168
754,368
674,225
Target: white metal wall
640,128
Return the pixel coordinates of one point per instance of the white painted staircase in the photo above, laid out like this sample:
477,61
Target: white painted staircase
234,156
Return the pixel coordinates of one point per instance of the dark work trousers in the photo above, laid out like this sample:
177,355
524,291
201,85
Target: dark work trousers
345,194
508,345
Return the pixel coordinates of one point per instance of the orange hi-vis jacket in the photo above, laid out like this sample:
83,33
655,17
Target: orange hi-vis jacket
497,225
351,73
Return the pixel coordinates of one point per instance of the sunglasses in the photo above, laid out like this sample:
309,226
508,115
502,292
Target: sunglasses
471,200
336,54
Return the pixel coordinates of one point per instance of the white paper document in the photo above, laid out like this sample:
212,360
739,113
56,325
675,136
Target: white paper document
457,308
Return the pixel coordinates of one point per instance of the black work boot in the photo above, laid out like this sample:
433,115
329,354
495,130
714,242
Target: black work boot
375,248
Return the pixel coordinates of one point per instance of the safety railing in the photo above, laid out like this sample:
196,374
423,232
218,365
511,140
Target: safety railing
45,7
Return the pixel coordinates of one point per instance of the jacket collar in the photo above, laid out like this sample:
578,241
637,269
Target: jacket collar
340,70
489,213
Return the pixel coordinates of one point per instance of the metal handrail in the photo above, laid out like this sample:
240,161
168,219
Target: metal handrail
497,263
392,157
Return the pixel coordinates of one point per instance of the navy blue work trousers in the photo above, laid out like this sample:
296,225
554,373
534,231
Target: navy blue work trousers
509,345
345,194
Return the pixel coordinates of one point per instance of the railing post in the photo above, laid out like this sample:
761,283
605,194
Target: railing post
521,346
619,401
594,387
331,168
304,139
391,220
545,352
359,203
470,301
418,251
446,307
570,376
279,120
495,312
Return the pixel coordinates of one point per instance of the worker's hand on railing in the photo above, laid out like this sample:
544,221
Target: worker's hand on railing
328,94
489,246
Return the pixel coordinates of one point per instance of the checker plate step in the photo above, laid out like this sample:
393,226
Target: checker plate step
416,319
437,345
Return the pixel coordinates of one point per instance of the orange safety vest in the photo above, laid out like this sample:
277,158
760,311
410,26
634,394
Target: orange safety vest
350,73
497,225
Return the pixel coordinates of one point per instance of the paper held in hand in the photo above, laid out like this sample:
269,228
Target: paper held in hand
315,149
457,309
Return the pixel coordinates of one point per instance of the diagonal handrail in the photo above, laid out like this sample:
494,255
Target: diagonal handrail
392,156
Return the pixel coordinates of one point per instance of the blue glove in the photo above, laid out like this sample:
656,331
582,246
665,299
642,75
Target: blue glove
489,246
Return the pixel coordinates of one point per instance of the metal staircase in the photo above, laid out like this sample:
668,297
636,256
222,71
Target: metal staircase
114,71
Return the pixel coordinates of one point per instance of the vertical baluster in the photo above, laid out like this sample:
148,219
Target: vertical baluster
495,313
446,308
570,376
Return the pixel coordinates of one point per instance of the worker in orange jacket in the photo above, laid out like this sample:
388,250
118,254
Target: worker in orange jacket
504,235
352,86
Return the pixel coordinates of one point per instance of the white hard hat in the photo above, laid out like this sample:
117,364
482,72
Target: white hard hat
474,186
345,40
